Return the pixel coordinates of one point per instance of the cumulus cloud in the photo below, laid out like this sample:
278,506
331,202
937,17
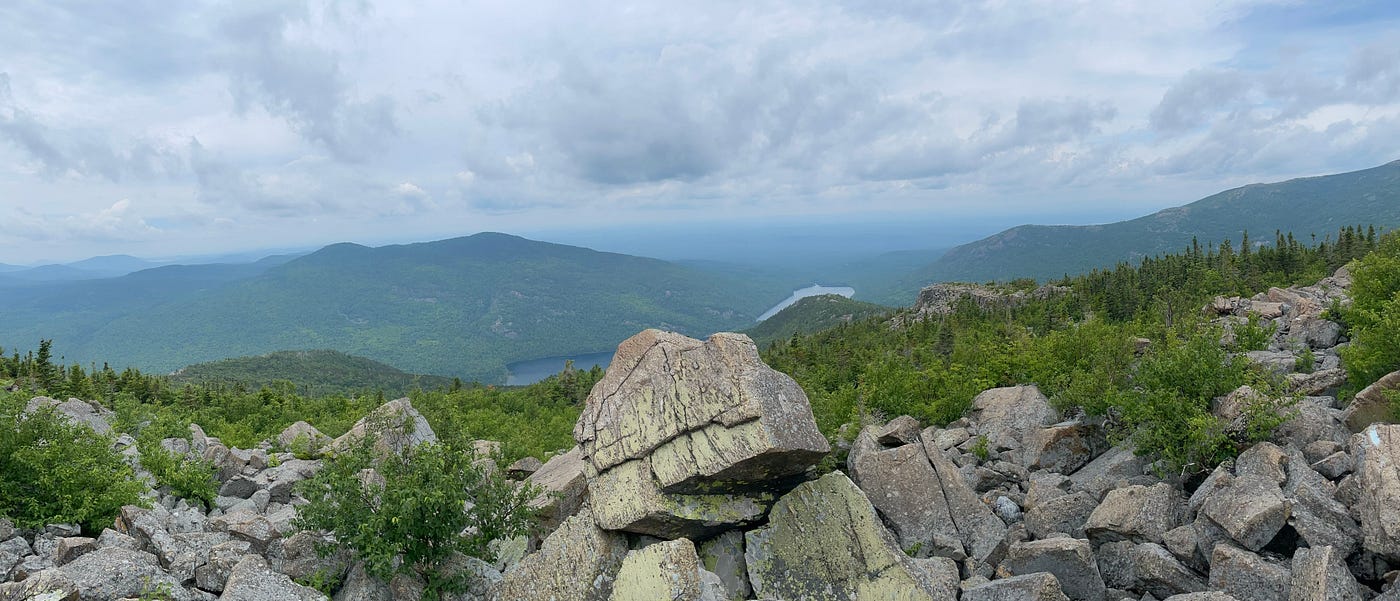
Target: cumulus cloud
117,222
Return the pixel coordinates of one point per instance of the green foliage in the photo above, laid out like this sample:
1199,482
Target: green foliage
812,314
325,580
313,373
414,511
1253,335
53,471
979,448
1374,316
189,478
1306,361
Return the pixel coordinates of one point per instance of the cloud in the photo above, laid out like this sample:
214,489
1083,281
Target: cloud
117,222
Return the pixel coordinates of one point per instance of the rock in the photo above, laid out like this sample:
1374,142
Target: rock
1246,576
1010,416
1313,420
1333,466
824,540
1205,596
1007,510
7,529
1315,332
1320,382
76,411
1251,508
252,580
1107,470
1320,574
901,430
303,438
923,498
1371,404
627,498
395,426
704,413
113,573
219,564
1137,513
360,586
238,487
1064,447
1066,514
665,570
1071,560
72,547
578,561
1376,452
940,575
1040,586
250,527
1277,362
297,558
1147,567
523,467
724,556
47,585
112,538
564,488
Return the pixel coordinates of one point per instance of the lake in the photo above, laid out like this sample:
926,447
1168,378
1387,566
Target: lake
813,290
534,370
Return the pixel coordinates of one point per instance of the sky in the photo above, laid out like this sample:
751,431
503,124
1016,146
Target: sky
161,128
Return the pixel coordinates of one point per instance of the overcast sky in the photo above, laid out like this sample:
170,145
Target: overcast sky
160,128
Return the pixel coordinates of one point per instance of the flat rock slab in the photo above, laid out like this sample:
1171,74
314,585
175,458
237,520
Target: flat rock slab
824,542
1376,452
668,570
1071,560
578,561
1040,586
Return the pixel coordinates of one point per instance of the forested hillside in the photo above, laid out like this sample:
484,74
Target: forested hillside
1311,208
312,373
461,307
810,315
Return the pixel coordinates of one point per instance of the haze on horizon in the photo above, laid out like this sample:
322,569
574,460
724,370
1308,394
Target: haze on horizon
162,129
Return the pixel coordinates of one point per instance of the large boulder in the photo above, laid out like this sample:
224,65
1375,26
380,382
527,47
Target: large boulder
1246,576
1372,404
1138,513
578,561
252,580
302,437
1250,507
76,411
1008,417
114,573
666,570
1146,567
1108,471
1377,455
1071,560
682,422
563,488
395,426
924,498
824,541
1040,586
1320,574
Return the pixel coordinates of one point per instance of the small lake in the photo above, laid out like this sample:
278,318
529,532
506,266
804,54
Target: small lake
534,370
813,290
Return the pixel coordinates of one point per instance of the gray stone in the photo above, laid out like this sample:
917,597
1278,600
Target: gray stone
1137,513
899,431
1277,362
238,487
1318,517
627,498
1040,586
1008,417
1071,560
72,547
250,527
1320,574
1376,452
1066,514
112,538
824,540
219,564
1313,419
394,426
114,573
1320,382
47,585
577,561
1372,404
1247,576
1251,508
7,529
523,467
360,586
304,438
723,555
665,570
940,575
1205,596
1147,567
1064,447
1106,471
297,557
1333,466
564,488
76,411
253,580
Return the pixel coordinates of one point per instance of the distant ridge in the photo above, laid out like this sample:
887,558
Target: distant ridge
315,372
1310,206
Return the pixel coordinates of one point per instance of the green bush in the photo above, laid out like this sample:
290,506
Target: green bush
188,478
1253,335
1374,316
413,512
53,471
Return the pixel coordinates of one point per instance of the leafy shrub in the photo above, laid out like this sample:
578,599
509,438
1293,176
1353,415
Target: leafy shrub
54,471
413,512
188,478
1253,335
1374,316
1305,363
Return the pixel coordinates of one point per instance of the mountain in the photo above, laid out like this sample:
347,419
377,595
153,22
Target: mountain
812,314
1311,206
314,373
112,265
460,307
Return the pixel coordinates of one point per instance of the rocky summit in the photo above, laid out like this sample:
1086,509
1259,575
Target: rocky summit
698,475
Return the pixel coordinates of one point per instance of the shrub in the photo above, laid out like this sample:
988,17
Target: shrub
1374,317
413,512
53,471
1253,335
188,478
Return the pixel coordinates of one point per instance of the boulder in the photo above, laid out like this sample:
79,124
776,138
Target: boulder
1065,514
1008,417
253,580
1107,471
665,570
1317,516
250,527
1376,452
564,488
302,437
72,547
1246,576
899,431
114,573
1314,419
1146,567
578,561
360,586
1250,508
683,438
395,426
724,556
219,564
824,540
521,468
1277,362
1137,513
76,411
47,585
1320,574
1371,405
940,574
924,499
1071,560
1040,586
1322,381
1064,447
